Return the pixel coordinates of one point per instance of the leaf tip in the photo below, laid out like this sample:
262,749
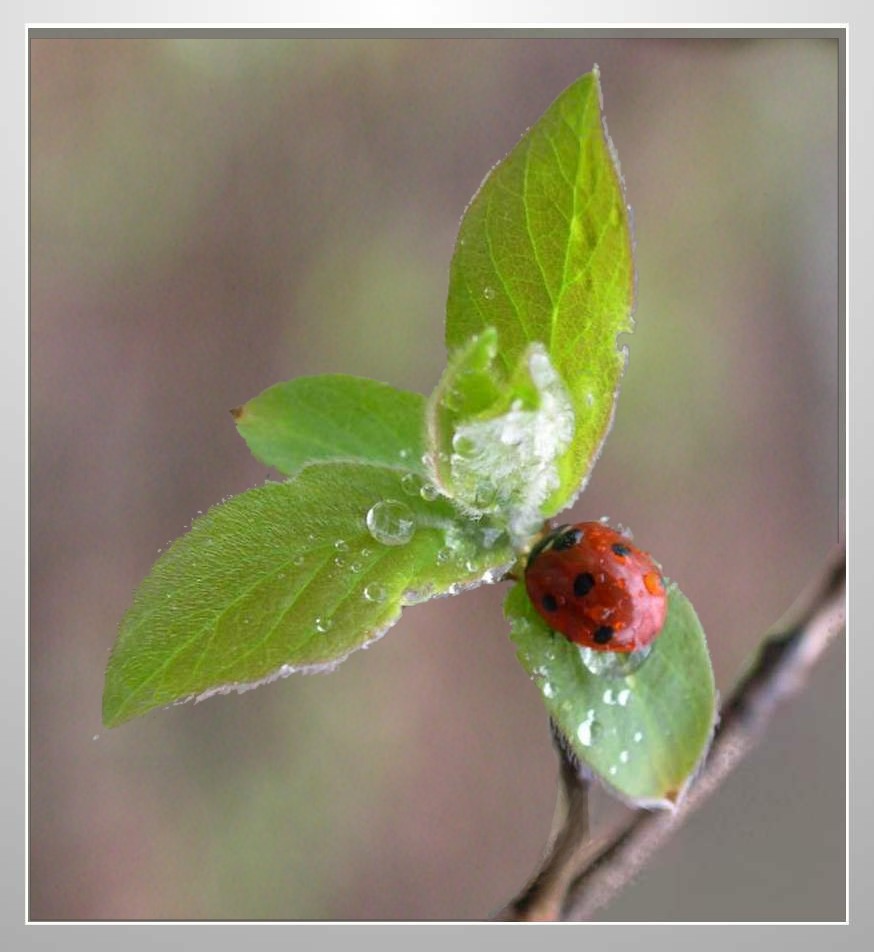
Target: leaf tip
238,412
673,798
110,714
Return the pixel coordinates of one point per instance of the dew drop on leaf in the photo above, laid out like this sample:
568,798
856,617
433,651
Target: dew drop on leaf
613,664
429,492
410,484
589,729
489,293
323,624
374,592
391,522
463,445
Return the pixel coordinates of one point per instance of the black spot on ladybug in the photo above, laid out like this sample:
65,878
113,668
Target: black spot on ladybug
620,549
583,584
567,540
549,603
603,635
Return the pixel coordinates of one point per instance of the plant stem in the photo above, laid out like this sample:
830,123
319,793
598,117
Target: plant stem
541,899
578,876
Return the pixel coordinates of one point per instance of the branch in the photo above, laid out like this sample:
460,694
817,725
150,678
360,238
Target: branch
580,875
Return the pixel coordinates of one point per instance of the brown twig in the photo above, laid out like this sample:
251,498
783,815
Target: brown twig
579,875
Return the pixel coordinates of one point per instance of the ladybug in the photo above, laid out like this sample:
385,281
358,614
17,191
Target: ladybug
591,584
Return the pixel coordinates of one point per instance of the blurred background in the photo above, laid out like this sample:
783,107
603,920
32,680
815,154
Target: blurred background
209,217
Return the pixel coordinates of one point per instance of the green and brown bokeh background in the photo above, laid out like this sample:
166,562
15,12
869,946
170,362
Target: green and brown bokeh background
209,217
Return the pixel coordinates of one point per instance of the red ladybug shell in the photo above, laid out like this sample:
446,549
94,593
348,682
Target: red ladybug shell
591,584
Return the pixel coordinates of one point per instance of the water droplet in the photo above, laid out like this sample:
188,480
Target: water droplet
404,454
623,696
339,561
613,664
590,398
297,560
485,496
365,552
608,697
623,756
490,536
445,555
589,729
612,770
355,567
491,576
548,690
463,445
429,492
323,624
489,293
374,592
410,484
632,661
391,522
341,545
638,737
96,737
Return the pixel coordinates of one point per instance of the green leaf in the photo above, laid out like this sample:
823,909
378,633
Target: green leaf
334,417
544,254
291,576
495,441
643,734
